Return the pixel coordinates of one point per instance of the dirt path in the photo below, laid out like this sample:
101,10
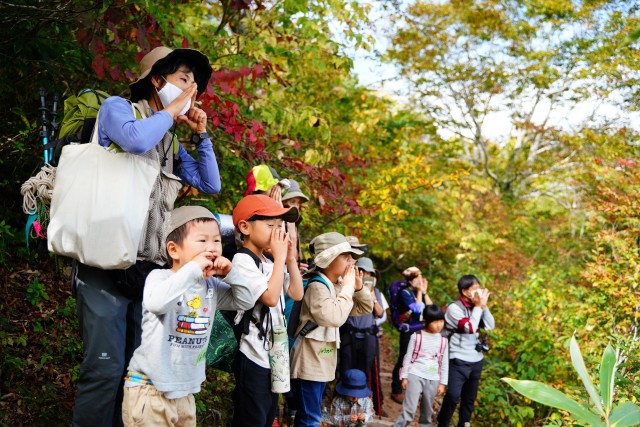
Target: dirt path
387,362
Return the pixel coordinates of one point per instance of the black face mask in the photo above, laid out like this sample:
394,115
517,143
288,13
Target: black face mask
299,220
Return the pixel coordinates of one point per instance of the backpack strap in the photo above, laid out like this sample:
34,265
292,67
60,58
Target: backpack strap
318,278
443,344
253,256
264,310
417,347
458,329
453,330
310,325
243,326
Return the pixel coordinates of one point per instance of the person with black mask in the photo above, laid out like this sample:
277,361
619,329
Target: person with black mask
295,198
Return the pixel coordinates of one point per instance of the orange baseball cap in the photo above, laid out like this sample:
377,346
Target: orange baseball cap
259,204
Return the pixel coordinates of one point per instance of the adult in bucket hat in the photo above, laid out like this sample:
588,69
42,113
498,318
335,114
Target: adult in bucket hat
295,196
355,243
158,59
109,301
352,405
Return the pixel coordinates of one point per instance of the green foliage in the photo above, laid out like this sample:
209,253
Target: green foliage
497,75
601,411
213,403
36,292
5,234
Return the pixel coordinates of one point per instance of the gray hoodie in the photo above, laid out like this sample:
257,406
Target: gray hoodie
466,322
177,313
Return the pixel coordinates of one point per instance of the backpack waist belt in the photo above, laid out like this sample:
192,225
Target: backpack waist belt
371,330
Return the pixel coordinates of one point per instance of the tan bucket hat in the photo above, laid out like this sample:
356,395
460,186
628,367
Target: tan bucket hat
326,247
162,55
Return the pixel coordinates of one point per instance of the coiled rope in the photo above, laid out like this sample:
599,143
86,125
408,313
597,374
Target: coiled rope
39,186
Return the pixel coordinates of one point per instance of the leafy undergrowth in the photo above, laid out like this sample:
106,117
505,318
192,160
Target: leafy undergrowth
213,403
39,345
41,349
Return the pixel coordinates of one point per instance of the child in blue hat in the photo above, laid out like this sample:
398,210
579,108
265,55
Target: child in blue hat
352,406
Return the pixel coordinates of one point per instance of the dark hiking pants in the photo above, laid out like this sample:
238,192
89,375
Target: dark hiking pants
110,324
464,378
253,402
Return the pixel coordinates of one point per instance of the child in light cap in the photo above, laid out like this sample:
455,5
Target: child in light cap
315,356
178,308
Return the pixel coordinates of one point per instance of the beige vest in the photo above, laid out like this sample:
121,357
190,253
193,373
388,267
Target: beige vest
164,193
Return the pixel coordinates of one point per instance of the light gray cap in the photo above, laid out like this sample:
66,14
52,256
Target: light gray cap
365,264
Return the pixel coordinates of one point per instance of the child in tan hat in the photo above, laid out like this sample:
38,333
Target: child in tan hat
179,306
315,355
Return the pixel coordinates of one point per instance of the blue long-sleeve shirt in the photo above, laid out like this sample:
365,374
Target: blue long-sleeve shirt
408,301
118,125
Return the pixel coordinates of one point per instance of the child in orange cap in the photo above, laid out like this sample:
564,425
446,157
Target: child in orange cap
260,221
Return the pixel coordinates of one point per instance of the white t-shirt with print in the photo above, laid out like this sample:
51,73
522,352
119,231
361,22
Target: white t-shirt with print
251,345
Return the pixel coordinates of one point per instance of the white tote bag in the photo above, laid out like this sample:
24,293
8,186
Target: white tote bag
100,204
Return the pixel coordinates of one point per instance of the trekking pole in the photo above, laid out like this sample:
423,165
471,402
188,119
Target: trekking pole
54,115
54,122
44,133
376,375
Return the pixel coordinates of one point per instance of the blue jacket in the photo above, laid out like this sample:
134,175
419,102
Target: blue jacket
117,123
407,301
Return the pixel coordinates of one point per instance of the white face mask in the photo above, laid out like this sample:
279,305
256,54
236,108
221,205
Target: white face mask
169,93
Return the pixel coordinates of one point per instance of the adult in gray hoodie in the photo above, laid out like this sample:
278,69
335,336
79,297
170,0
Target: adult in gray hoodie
463,319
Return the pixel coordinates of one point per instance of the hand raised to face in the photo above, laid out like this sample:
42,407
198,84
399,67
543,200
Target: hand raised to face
358,276
221,266
279,243
484,296
195,117
275,193
349,277
205,261
175,107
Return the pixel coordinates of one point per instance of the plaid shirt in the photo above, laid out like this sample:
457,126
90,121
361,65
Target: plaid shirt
341,411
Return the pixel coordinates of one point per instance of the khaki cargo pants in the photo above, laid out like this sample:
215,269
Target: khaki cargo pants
146,406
